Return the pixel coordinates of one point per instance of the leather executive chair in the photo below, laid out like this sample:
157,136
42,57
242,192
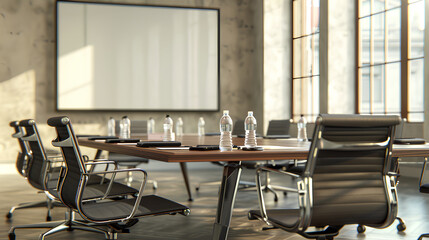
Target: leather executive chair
347,179
43,174
122,212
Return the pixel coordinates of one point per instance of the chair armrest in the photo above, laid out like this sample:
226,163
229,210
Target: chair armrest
100,162
393,174
140,190
259,188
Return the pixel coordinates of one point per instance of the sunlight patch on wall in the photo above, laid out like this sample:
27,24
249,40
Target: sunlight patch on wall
17,102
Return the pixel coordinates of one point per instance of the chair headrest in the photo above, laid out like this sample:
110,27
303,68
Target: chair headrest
14,124
356,120
27,123
58,121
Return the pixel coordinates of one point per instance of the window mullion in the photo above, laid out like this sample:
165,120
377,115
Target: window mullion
404,59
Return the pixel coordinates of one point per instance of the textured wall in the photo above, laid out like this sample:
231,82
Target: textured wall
27,68
277,60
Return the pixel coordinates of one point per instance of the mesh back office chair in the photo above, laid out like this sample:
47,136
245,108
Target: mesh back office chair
276,129
121,213
22,161
23,155
43,176
138,127
347,178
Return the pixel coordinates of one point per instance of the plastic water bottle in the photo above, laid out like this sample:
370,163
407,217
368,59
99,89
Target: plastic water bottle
250,127
151,126
302,129
179,127
125,127
201,126
111,127
168,128
225,143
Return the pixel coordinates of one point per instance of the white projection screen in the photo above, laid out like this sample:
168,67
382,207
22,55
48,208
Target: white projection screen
137,57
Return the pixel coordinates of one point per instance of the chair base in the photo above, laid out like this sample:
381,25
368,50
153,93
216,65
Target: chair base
69,224
48,203
400,227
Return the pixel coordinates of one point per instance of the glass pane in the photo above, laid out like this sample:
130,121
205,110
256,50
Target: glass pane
416,13
364,90
306,96
365,8
393,88
413,1
393,23
297,97
378,88
416,85
312,15
365,31
297,18
378,6
378,41
316,54
315,94
297,55
303,49
393,4
416,117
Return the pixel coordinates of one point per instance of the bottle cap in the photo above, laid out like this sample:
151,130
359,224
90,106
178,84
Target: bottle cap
125,117
167,115
225,112
250,113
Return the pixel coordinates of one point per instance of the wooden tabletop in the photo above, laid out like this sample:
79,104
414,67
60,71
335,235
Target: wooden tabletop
275,149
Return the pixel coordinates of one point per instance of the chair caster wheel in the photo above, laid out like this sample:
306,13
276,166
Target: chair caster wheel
276,199
9,215
48,218
361,229
251,217
12,236
284,193
197,189
401,227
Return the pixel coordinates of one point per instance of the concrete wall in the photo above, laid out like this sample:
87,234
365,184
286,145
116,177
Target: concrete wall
27,69
277,60
337,56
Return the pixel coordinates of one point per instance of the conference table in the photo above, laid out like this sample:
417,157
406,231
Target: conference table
274,149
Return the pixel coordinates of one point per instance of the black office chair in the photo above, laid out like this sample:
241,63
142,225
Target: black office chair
237,131
22,161
43,174
23,154
108,216
347,178
138,127
276,129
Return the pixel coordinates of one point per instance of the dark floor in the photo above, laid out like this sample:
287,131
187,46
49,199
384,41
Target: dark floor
14,189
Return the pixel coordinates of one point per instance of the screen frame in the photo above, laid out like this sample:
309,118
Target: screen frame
133,109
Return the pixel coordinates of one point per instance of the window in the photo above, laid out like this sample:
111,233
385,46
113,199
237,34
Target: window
305,59
390,53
